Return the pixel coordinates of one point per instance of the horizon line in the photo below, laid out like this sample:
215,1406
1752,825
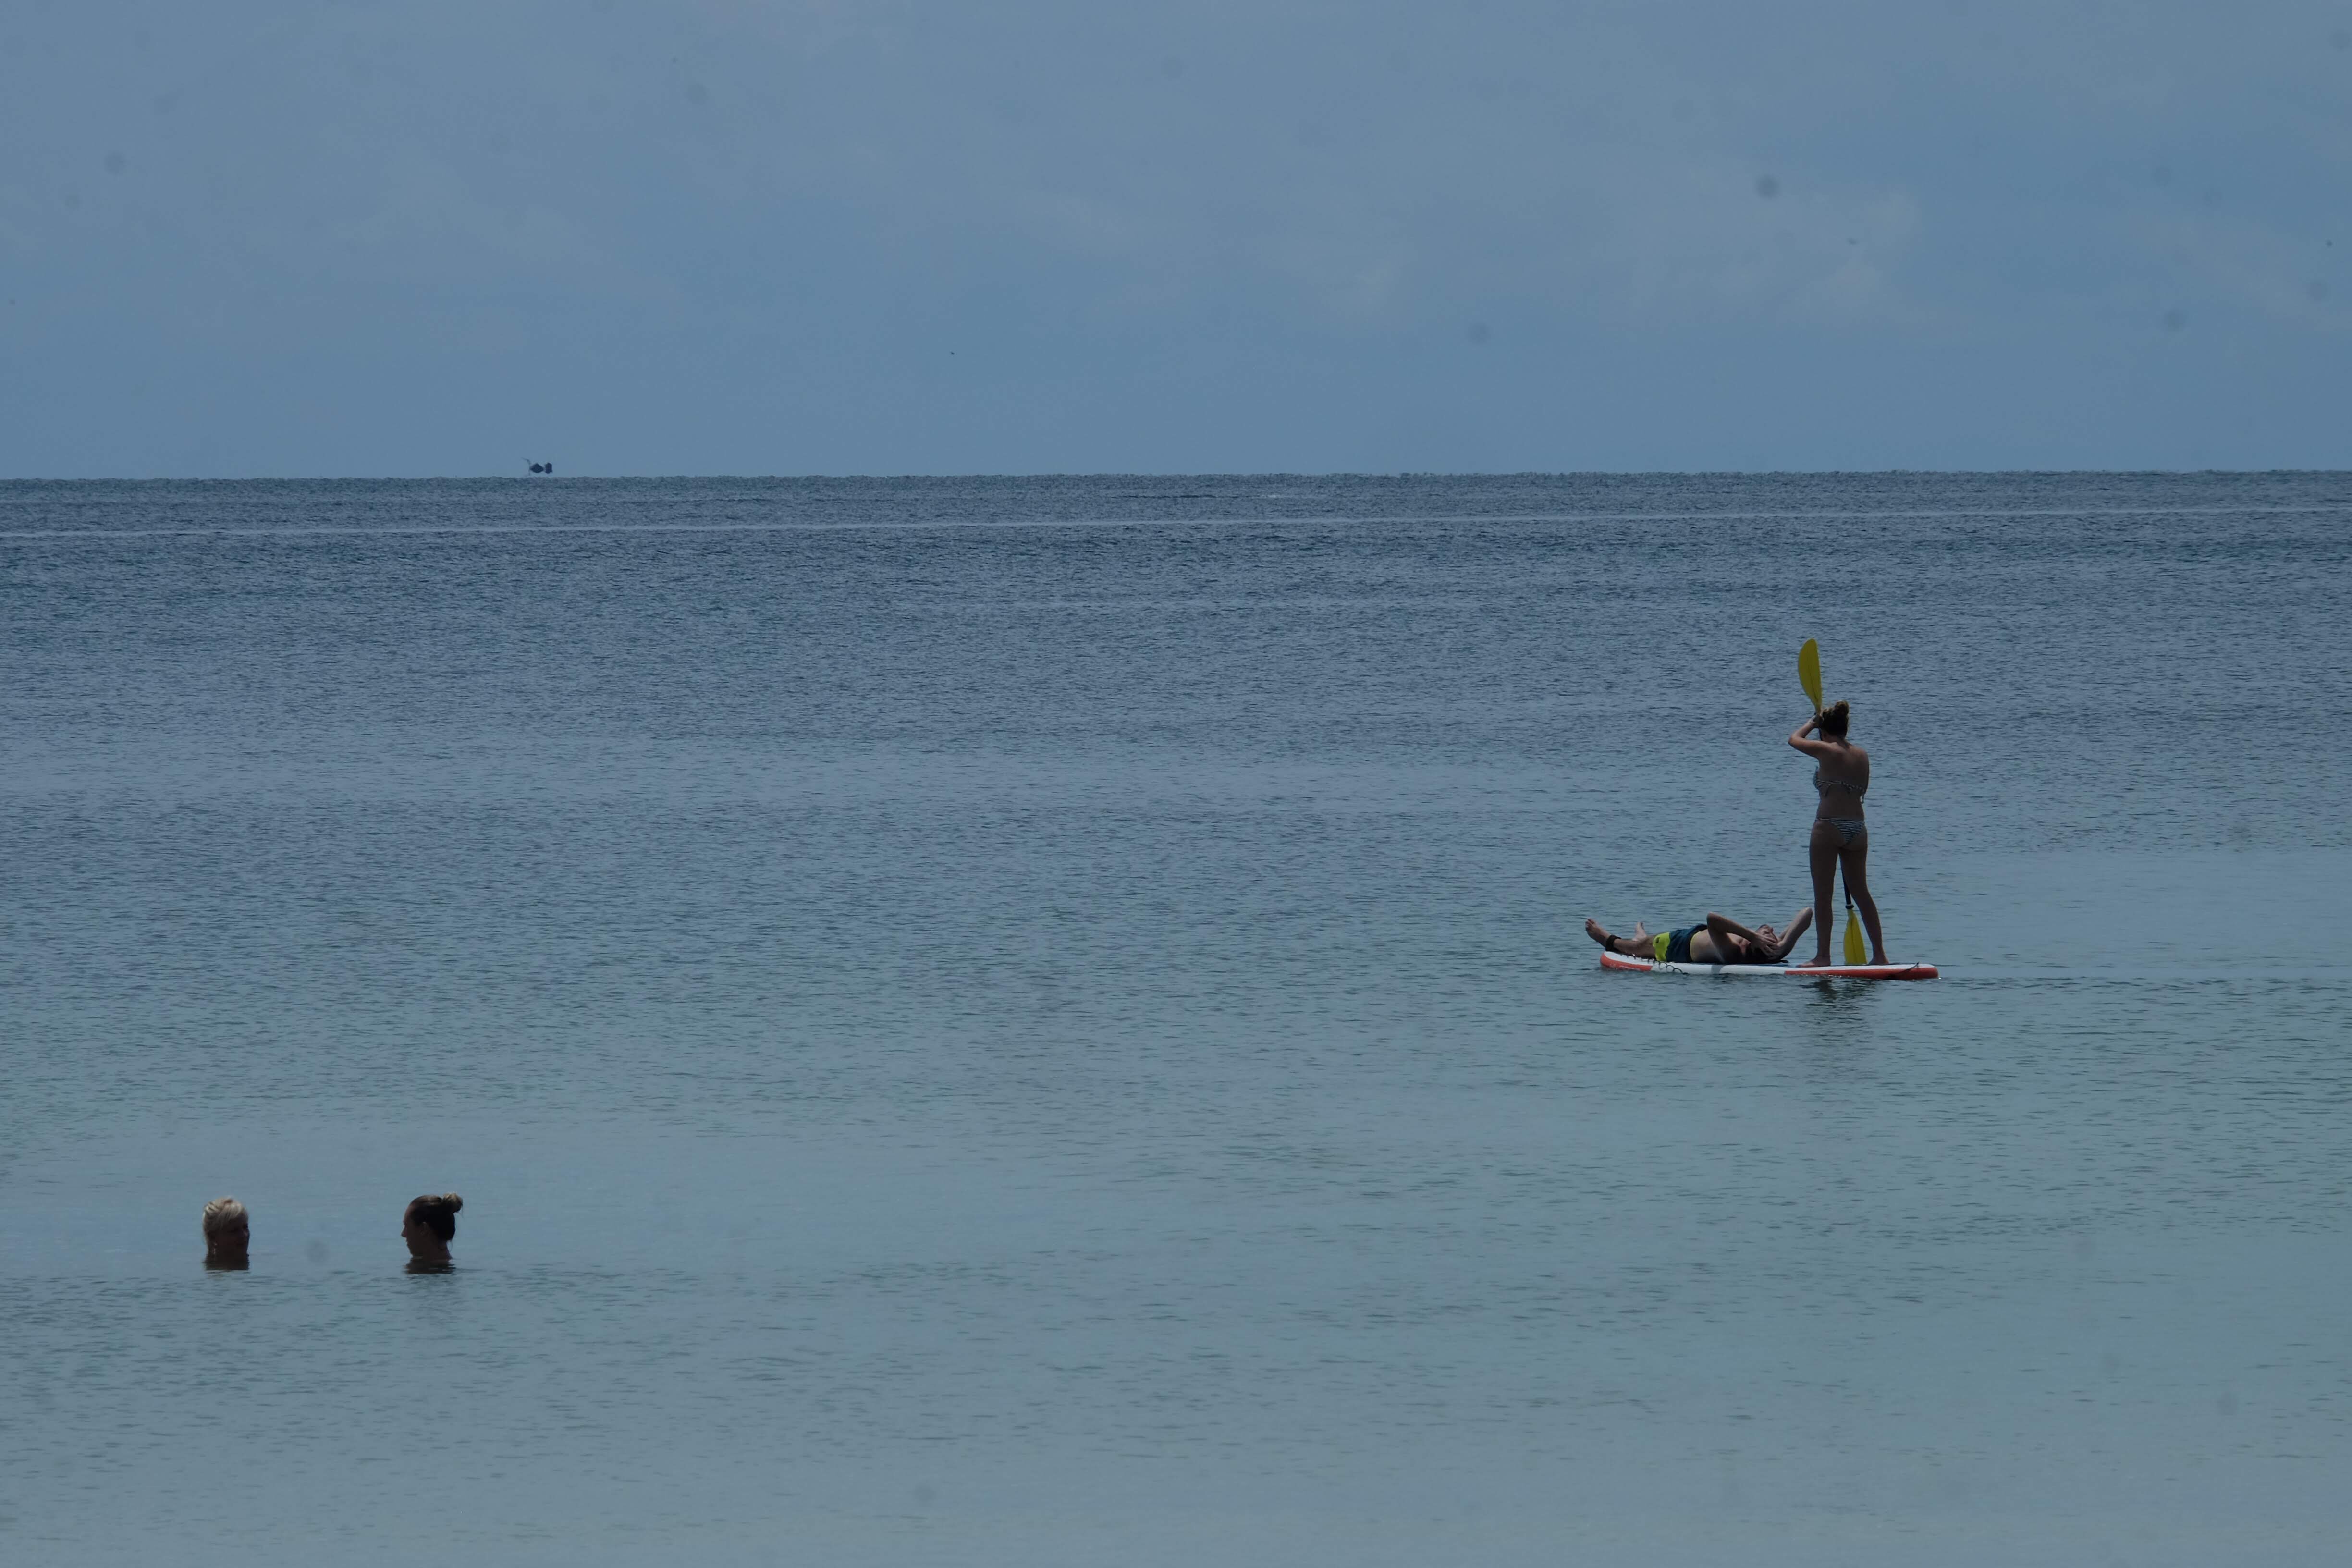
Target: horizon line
1396,475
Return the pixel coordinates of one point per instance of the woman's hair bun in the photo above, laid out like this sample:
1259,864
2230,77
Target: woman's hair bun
1835,718
436,1212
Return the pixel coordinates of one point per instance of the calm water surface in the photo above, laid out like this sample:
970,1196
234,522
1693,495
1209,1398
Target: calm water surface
1046,1022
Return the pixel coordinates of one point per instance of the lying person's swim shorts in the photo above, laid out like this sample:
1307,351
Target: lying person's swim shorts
1674,946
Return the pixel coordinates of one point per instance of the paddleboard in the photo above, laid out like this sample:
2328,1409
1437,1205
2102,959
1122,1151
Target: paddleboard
1822,971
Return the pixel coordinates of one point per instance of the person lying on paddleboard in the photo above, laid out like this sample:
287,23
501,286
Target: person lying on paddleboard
1841,839
1713,940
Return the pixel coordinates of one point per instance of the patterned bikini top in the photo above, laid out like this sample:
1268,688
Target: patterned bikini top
1852,788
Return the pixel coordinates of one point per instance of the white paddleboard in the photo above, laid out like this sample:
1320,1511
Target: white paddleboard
1823,972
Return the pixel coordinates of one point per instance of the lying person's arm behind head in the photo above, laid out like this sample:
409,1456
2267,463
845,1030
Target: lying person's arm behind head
1724,928
1799,924
1765,945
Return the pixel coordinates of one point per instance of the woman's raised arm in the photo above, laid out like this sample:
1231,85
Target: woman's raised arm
1811,748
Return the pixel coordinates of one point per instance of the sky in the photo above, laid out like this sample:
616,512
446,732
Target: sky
732,236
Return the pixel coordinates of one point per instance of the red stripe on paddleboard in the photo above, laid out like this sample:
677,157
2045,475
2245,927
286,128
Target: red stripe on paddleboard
1621,962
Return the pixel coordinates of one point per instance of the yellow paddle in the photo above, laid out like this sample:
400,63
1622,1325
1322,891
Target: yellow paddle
1809,672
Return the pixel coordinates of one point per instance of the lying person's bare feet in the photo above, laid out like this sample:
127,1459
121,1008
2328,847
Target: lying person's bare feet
1633,945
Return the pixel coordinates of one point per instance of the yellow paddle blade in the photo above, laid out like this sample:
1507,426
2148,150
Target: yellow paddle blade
1809,670
1853,949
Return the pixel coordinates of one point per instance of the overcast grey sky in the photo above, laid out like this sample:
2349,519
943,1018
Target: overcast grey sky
744,236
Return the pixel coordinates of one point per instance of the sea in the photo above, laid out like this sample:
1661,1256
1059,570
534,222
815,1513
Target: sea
1048,1022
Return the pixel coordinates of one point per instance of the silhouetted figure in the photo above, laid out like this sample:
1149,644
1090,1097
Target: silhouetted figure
227,1235
429,1226
1841,837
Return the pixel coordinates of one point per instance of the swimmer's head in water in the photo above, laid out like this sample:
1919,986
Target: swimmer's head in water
227,1231
1834,720
430,1224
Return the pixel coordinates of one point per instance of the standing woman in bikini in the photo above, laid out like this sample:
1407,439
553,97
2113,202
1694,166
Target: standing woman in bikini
1841,836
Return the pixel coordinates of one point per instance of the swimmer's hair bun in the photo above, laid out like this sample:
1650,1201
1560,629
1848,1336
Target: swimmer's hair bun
220,1213
437,1211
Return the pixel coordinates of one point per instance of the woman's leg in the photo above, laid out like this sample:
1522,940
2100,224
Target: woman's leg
1825,853
1856,857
